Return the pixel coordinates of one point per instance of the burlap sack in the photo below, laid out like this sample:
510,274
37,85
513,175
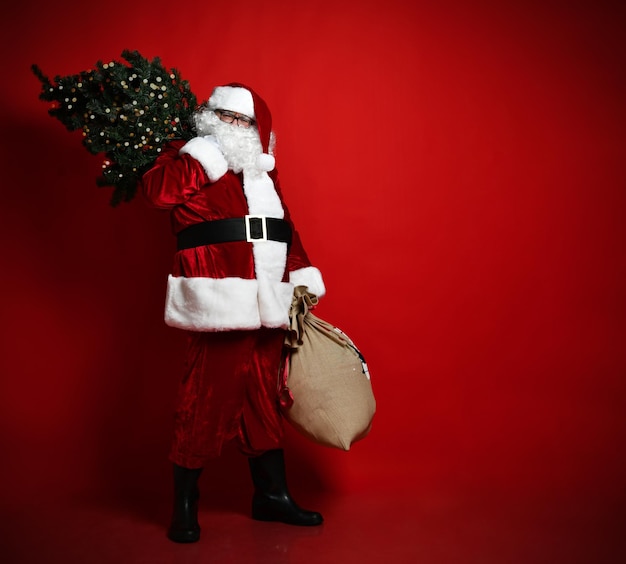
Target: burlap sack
326,392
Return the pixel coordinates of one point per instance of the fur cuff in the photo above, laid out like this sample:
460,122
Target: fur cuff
208,154
310,277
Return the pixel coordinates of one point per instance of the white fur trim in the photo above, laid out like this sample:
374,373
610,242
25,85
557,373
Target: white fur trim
261,194
270,257
226,304
234,99
274,303
212,304
206,151
311,277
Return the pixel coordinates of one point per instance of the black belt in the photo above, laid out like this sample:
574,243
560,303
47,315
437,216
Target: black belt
249,228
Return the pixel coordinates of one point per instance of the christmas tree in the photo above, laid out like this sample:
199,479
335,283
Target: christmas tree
126,110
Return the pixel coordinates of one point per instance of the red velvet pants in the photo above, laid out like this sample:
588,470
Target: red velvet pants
229,390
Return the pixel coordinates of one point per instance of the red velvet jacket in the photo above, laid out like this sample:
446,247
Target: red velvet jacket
226,286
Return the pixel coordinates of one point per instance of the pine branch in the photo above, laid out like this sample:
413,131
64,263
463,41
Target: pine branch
126,111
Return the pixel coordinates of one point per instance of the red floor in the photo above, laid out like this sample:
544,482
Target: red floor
369,527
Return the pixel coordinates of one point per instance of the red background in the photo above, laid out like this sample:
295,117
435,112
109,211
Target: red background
457,173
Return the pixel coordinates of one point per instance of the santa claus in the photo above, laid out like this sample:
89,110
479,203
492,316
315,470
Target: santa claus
237,262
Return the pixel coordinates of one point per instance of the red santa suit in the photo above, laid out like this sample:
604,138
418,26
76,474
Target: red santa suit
232,297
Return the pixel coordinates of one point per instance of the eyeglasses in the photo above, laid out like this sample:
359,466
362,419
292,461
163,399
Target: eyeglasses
230,117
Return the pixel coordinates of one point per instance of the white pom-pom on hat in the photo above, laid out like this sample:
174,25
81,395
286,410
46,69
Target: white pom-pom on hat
265,162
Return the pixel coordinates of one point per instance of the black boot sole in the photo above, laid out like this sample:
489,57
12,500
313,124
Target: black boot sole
184,536
300,518
287,521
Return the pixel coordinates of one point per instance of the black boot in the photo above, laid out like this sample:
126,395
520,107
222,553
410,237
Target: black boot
271,501
184,526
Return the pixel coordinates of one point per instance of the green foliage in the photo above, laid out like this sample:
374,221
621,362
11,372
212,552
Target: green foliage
126,111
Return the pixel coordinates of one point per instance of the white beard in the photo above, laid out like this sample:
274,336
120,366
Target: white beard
240,146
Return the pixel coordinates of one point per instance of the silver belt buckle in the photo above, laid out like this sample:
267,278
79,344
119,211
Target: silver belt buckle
263,219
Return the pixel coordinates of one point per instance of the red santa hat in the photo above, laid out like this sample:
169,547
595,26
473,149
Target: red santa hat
236,97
